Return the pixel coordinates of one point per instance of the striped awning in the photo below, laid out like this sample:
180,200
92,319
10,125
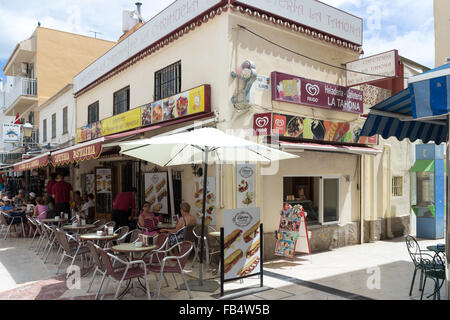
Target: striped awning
417,113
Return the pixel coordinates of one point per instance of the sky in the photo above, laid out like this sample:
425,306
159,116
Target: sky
406,25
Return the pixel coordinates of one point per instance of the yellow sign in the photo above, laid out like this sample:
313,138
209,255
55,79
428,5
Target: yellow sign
122,122
197,100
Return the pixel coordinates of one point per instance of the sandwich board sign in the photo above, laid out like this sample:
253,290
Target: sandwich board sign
242,244
292,235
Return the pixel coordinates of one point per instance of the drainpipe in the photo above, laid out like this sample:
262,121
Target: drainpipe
361,197
373,213
387,154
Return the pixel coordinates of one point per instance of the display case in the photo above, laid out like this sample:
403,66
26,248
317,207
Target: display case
428,191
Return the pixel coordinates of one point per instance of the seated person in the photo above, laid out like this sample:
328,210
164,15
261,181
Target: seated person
187,220
7,206
149,220
51,207
9,209
88,208
19,199
301,194
40,211
31,198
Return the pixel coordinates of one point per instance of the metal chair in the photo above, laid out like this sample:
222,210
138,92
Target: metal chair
132,270
177,267
13,221
437,274
421,259
71,252
99,224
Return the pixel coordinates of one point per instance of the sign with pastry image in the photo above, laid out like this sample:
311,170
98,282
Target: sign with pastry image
210,218
103,180
245,193
156,192
242,243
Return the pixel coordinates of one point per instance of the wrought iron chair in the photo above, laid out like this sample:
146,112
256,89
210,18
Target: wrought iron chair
70,251
132,270
421,259
176,267
437,274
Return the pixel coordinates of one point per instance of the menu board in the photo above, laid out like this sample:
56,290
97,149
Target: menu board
245,193
103,180
156,192
242,243
210,217
292,229
90,183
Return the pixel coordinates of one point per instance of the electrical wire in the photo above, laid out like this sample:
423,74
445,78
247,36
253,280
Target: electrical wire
316,60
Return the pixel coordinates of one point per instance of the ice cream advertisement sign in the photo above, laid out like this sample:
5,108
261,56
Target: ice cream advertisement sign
292,89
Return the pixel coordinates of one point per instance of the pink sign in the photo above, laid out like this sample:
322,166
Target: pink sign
292,89
262,124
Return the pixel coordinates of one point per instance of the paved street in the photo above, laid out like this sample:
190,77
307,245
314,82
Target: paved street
345,273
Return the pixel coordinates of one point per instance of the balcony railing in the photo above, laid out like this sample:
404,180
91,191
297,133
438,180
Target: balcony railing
20,87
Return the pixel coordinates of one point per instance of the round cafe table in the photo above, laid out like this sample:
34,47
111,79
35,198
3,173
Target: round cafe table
95,237
166,226
78,229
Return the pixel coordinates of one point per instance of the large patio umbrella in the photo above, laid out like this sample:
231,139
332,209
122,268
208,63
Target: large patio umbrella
420,112
206,145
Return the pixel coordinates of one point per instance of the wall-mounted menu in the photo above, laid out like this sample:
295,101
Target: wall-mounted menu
103,181
245,193
156,192
210,217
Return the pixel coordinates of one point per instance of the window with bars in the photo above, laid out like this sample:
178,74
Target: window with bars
44,130
122,100
93,112
397,186
65,120
168,81
54,125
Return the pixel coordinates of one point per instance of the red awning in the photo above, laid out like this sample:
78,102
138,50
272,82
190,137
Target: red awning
329,147
31,164
78,153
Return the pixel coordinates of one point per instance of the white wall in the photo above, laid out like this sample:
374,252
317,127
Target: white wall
56,106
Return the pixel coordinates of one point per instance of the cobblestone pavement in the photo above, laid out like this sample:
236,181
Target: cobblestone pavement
381,270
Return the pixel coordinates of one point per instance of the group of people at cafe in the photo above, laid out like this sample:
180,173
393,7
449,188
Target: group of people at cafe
60,197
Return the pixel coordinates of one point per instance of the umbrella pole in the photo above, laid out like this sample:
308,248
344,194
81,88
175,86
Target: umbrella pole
205,182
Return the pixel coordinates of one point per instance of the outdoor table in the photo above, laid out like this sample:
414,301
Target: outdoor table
53,221
96,238
166,226
78,229
131,248
436,249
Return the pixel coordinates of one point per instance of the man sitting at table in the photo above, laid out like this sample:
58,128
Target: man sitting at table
7,206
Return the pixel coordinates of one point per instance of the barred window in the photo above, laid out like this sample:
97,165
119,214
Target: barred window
168,81
397,186
122,100
54,125
65,120
44,130
93,112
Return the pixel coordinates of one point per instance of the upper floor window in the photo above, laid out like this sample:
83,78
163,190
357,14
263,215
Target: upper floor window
168,81
44,130
93,112
65,120
122,100
54,125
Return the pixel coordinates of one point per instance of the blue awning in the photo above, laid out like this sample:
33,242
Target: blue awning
418,112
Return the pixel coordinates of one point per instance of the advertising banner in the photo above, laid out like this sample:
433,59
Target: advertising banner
156,191
11,132
245,193
103,181
293,89
182,105
210,218
122,122
32,164
242,243
262,124
318,130
90,132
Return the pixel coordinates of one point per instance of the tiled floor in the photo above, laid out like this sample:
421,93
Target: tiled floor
381,270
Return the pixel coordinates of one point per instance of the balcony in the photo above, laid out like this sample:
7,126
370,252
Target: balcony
20,96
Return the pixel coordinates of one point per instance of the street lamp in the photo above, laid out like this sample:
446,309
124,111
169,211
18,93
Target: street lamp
27,130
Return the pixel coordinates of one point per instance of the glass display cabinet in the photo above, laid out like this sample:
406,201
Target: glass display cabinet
428,191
